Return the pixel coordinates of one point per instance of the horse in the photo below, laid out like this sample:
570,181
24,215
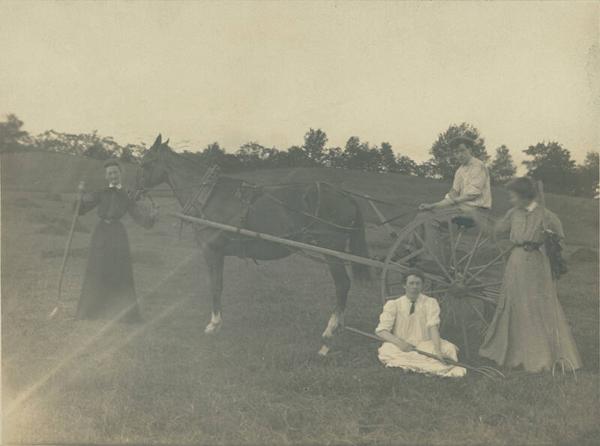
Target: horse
315,213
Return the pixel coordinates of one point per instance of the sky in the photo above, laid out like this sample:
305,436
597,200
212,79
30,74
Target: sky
234,72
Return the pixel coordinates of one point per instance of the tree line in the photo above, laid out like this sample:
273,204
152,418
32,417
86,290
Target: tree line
547,161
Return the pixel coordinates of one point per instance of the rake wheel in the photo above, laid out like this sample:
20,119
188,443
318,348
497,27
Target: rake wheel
464,269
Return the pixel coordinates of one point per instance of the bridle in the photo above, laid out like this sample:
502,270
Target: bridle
140,190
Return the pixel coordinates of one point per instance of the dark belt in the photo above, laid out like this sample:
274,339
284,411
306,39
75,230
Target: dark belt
529,246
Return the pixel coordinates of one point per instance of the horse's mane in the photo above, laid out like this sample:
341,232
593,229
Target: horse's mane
187,160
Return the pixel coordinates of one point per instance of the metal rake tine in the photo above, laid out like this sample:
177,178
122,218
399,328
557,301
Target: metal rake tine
562,362
572,369
493,371
556,363
484,372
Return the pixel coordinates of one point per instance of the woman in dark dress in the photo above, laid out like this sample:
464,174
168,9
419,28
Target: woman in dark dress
108,290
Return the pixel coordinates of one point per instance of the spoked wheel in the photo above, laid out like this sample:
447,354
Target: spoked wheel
463,268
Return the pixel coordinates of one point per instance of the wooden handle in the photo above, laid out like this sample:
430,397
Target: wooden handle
540,188
68,246
421,352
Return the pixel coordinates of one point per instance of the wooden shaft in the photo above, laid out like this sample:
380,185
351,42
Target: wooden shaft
381,217
284,241
540,188
68,246
330,252
421,352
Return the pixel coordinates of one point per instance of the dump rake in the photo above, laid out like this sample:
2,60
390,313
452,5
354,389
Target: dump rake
465,266
463,270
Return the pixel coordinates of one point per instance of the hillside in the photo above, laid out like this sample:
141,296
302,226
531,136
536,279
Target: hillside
60,173
259,381
53,172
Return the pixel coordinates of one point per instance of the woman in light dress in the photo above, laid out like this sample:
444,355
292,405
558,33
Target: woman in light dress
529,328
412,322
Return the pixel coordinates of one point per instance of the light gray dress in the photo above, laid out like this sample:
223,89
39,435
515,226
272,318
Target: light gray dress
529,328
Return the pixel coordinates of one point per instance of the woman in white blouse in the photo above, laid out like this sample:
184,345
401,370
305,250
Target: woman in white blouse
412,321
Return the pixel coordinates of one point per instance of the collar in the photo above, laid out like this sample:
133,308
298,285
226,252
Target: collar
531,206
417,300
468,163
115,186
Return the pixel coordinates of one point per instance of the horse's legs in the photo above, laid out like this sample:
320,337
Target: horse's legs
342,287
215,261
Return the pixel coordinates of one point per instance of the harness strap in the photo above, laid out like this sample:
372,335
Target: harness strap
313,217
202,195
207,184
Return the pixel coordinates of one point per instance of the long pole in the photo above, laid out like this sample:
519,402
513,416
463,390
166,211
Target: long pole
293,243
67,251
421,352
284,241
382,220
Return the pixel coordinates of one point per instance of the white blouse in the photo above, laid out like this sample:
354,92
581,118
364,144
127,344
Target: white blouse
412,328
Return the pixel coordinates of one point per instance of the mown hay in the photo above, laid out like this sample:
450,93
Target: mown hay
147,258
23,202
50,196
56,225
59,252
584,255
157,233
53,229
141,257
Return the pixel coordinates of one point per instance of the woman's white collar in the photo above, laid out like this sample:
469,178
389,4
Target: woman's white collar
531,206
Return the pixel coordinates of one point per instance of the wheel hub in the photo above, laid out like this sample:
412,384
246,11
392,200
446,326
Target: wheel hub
458,288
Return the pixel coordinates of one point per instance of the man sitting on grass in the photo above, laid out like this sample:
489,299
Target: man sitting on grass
412,322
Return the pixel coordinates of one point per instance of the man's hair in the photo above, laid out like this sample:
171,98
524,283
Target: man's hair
414,272
112,163
457,141
524,187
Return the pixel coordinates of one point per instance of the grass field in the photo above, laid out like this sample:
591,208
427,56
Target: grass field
259,381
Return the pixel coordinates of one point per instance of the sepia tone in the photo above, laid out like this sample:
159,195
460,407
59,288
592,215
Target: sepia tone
299,223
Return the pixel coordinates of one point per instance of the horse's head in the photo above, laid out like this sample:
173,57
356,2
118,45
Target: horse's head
153,165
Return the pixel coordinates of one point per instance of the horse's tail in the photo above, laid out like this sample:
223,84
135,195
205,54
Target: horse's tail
358,247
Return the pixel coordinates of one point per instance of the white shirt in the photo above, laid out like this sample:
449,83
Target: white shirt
472,179
412,328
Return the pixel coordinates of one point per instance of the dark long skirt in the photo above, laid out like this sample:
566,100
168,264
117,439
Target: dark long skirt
108,291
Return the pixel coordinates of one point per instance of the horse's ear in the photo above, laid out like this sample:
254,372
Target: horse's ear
158,141
167,142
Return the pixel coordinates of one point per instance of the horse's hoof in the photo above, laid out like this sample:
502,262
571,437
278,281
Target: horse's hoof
323,351
212,329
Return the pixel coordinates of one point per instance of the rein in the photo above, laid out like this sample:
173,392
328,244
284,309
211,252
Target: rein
198,188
